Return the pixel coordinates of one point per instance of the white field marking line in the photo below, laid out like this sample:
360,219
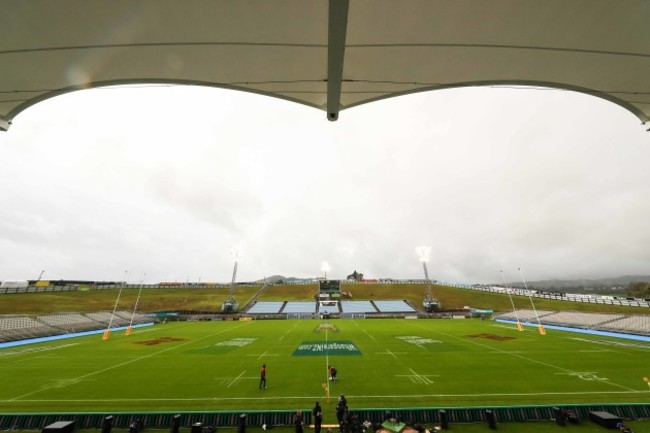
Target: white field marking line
236,379
419,378
525,358
127,362
388,352
44,357
37,349
212,399
589,376
263,354
138,331
229,380
506,327
327,366
287,331
369,335
595,351
612,343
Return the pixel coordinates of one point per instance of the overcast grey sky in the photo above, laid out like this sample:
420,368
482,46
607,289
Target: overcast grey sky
163,181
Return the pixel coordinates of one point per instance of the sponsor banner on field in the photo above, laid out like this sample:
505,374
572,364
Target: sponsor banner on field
322,348
416,340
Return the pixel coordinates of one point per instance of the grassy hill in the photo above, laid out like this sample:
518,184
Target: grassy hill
211,299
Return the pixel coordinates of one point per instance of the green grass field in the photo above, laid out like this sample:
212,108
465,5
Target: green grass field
187,366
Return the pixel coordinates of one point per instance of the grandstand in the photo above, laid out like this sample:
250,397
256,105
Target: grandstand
357,307
14,328
631,324
21,327
636,324
394,307
299,307
266,307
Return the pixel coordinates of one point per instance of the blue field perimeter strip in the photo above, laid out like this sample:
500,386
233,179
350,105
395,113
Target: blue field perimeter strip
66,336
581,331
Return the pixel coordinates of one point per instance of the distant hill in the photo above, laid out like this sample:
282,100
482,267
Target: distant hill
271,280
584,285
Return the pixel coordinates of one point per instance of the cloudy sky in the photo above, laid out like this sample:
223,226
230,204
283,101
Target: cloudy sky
162,182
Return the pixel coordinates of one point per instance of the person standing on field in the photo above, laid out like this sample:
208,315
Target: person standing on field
263,377
297,422
318,417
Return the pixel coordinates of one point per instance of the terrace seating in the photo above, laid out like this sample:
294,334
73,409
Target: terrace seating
527,315
22,327
137,317
70,322
266,307
580,320
634,324
357,307
637,324
104,318
393,307
299,307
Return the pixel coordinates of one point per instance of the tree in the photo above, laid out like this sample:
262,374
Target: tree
638,289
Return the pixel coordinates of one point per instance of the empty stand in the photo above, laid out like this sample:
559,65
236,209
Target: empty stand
394,307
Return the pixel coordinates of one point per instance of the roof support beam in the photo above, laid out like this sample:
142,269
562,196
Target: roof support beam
4,124
337,30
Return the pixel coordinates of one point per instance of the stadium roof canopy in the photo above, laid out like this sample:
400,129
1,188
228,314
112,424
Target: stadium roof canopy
331,55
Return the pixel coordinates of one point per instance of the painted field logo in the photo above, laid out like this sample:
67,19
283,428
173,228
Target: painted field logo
326,327
322,348
418,341
159,341
237,342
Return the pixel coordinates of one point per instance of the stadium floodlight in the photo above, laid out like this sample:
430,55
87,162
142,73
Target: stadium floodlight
429,303
236,252
423,252
231,303
325,267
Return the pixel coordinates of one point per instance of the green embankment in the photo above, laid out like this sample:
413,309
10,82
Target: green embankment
211,299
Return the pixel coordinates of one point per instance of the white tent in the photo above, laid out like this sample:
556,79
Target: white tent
331,55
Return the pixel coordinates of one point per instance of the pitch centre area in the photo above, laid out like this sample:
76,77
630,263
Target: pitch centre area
380,363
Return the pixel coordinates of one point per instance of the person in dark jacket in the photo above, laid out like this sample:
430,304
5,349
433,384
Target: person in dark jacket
297,422
317,411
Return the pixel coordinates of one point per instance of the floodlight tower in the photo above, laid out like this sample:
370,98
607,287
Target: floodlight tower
429,303
325,267
231,305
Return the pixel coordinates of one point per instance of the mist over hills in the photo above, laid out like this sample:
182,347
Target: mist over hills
600,284
580,285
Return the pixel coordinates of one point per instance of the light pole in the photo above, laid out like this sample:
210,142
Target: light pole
429,303
325,267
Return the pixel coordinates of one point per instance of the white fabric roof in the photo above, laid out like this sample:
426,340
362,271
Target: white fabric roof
331,55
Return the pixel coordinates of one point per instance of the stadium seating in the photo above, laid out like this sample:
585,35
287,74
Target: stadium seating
263,307
299,307
14,328
70,322
394,307
633,324
357,307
